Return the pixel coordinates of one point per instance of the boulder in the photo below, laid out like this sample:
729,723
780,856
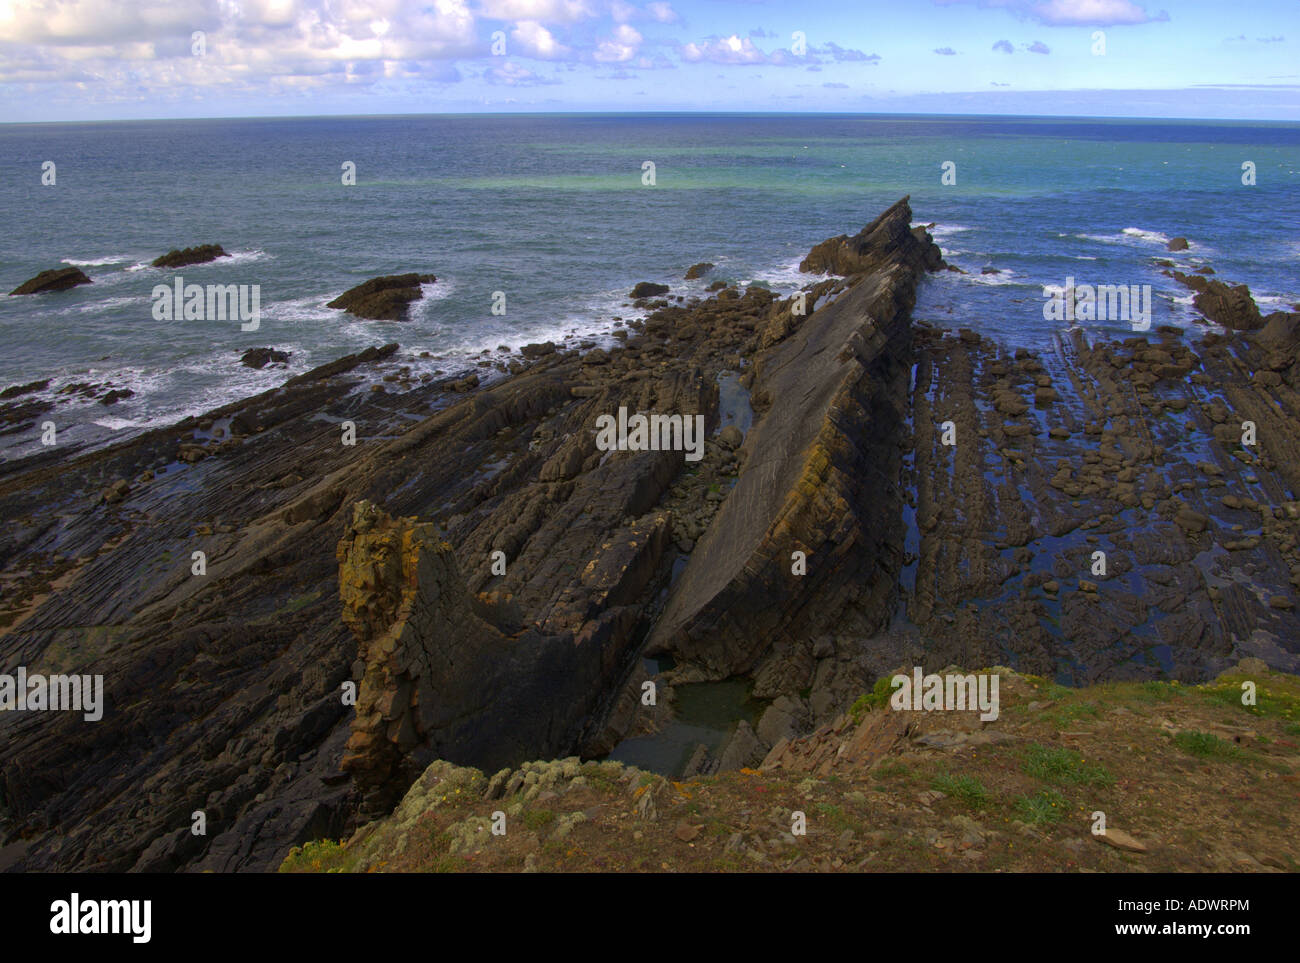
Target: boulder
383,298
697,271
647,289
59,279
261,357
178,257
1177,244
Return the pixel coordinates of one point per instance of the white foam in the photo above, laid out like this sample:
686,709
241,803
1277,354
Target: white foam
99,261
1154,237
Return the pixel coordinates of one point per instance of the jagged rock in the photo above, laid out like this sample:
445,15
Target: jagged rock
59,279
200,254
384,298
695,271
261,357
537,350
116,395
842,380
1177,244
648,289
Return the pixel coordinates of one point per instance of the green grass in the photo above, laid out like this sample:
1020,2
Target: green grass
1205,744
538,818
1064,767
967,790
877,698
1044,808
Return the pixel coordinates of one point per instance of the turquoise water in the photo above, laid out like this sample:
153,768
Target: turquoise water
552,211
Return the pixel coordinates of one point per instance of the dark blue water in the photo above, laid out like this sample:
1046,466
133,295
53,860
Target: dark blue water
552,211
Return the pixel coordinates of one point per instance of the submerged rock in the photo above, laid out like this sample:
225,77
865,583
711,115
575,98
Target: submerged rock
384,298
58,279
184,257
261,357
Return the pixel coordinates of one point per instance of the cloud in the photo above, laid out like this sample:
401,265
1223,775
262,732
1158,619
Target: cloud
129,48
845,54
1038,47
619,48
1004,46
1270,39
537,41
1072,13
945,51
543,11
724,50
662,12
836,86
511,74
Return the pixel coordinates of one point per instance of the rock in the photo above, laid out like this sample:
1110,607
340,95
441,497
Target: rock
383,298
647,289
261,357
116,492
116,395
538,350
716,286
597,356
1120,840
1177,244
14,391
201,254
697,270
59,279
731,437
1191,521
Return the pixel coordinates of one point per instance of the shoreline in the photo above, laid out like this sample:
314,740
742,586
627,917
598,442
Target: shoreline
222,689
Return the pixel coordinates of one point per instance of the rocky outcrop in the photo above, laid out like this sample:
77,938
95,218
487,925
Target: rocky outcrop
885,240
384,298
261,357
1230,306
58,279
811,524
184,257
648,289
695,271
1177,244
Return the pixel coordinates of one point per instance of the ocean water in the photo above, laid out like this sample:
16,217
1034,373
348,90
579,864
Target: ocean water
552,211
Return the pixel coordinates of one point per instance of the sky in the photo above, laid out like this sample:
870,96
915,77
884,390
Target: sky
64,60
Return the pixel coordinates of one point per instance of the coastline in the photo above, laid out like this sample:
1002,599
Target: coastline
612,558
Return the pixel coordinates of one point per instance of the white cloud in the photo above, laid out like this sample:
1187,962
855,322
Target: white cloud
724,50
543,11
537,41
619,48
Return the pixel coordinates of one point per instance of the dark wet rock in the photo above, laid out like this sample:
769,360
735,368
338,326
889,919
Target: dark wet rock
1230,306
695,271
184,257
14,391
716,286
116,395
648,289
1177,244
261,357
384,298
538,350
58,279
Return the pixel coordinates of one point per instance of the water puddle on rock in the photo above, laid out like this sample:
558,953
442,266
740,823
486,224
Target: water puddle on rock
733,403
702,712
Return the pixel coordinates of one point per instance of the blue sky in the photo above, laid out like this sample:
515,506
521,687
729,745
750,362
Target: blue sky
108,59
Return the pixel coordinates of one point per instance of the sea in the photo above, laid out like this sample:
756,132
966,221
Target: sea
562,214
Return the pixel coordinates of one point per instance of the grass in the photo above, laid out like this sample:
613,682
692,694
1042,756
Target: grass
1064,767
967,790
877,698
538,819
1205,744
1043,808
